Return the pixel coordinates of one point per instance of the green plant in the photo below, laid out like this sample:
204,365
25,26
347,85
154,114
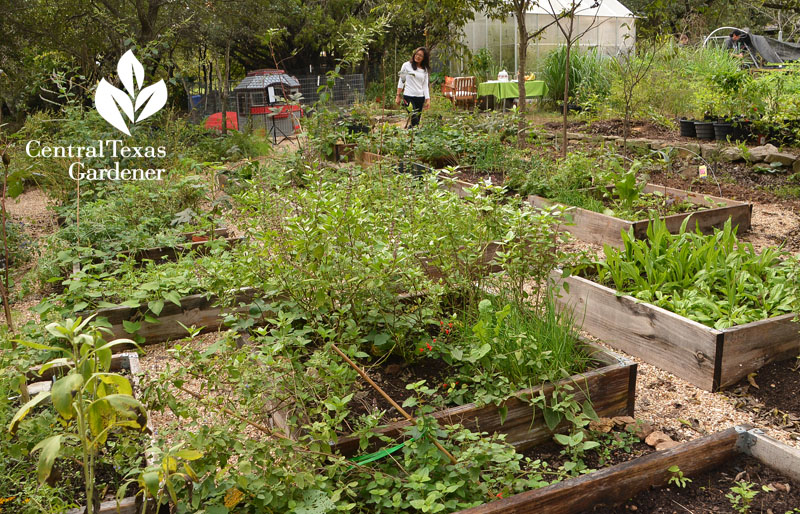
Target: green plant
589,76
741,496
712,279
502,350
677,477
483,65
91,402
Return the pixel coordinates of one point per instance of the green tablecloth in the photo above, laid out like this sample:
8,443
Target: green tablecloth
503,90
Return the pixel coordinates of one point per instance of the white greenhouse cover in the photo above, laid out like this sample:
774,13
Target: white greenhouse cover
607,8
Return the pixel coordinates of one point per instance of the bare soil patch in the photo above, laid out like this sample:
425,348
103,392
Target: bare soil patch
707,492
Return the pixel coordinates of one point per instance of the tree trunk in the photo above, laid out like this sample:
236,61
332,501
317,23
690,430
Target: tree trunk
4,289
566,103
522,50
224,93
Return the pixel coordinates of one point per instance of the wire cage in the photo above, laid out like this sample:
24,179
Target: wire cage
347,89
262,102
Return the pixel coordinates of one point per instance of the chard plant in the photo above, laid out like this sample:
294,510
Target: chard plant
92,403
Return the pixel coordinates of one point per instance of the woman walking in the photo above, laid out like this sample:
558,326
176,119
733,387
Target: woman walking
413,85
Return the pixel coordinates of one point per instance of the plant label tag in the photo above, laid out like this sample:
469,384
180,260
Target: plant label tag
703,171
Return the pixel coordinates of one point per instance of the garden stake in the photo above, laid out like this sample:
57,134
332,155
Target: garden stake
229,412
262,428
394,404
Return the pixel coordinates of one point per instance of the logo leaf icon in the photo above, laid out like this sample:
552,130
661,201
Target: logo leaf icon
128,67
157,96
106,100
110,100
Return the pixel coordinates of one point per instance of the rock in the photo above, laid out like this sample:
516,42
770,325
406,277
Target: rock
786,159
687,149
759,153
731,154
603,425
666,445
640,429
656,438
796,166
622,420
638,144
709,152
689,172
576,135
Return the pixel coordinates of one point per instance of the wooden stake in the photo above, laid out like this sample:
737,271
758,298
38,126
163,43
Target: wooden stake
394,404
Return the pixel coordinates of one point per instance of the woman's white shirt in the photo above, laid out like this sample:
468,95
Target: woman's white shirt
413,82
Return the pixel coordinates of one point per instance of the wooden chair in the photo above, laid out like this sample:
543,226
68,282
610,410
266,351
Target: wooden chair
460,90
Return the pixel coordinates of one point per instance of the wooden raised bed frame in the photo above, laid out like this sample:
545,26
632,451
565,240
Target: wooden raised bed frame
595,227
197,309
708,358
611,388
129,361
171,253
616,484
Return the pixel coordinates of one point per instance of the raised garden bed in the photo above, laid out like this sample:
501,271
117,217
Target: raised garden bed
595,227
365,158
198,310
616,484
611,387
195,241
708,358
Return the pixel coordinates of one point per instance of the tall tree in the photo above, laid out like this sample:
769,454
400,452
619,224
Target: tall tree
564,18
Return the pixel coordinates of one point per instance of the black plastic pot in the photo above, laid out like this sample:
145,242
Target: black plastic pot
722,130
742,130
357,128
413,168
687,128
704,129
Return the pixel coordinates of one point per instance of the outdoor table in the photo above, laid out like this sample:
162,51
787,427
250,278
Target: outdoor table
509,89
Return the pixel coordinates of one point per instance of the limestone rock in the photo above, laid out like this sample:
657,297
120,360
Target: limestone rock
641,429
656,438
786,159
731,154
759,153
708,151
666,445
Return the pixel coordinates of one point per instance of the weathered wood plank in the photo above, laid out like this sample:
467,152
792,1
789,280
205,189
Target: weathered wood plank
589,226
125,506
753,345
198,310
608,387
778,456
598,228
660,337
171,253
366,158
616,484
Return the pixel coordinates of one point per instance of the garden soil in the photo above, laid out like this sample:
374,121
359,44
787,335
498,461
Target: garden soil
707,492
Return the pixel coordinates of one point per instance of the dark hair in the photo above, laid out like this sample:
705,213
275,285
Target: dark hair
738,32
426,59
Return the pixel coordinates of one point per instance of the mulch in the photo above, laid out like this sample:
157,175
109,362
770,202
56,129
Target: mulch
772,395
